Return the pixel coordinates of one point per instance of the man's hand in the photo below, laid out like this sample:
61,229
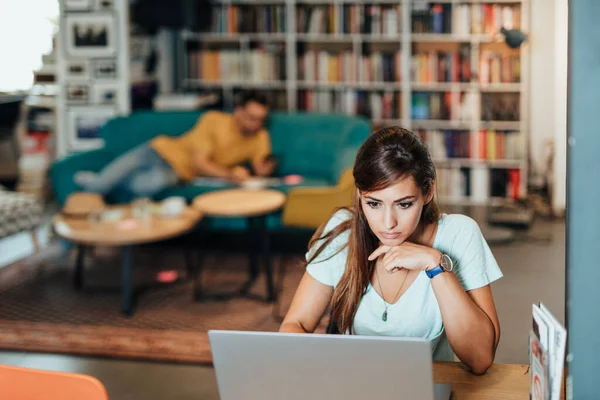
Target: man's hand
239,174
264,167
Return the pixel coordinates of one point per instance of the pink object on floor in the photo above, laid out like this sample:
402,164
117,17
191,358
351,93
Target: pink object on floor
292,180
167,276
127,224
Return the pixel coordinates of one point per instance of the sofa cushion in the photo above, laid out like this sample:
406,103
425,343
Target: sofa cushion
308,144
124,133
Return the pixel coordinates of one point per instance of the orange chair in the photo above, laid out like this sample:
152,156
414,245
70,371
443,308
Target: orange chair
31,384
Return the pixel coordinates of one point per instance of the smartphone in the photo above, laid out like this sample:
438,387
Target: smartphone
272,157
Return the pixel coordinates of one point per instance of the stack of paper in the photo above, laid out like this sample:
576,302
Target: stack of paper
548,341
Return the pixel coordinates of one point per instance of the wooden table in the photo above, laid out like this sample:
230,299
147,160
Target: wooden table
254,205
85,233
501,382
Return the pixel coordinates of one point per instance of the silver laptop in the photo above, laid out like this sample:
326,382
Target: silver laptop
275,366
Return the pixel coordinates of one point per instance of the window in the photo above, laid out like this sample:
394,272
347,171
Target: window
26,31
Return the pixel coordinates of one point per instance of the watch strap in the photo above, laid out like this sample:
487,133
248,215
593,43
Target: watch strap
434,271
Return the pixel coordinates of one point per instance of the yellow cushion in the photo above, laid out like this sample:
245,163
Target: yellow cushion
309,207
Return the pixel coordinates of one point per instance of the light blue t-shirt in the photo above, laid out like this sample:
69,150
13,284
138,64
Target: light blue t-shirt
416,313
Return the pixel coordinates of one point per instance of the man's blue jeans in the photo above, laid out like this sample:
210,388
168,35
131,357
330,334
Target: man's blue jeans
140,171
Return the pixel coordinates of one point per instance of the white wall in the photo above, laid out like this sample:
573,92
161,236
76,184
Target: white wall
542,45
559,195
548,91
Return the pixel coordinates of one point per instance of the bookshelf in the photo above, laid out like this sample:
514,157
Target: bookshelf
440,69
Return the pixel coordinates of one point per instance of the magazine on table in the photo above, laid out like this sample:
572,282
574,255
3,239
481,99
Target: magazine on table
547,346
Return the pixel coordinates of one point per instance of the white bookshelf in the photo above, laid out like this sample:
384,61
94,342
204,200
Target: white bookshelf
404,43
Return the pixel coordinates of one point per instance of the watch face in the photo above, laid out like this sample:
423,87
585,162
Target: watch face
446,263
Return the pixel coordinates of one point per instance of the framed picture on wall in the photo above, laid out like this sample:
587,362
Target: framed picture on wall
105,93
77,69
105,5
77,4
77,92
91,35
105,68
84,125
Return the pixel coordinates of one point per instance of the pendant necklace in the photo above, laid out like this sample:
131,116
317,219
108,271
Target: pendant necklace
385,312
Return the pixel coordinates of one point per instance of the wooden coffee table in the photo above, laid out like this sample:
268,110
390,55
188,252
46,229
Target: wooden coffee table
107,233
254,205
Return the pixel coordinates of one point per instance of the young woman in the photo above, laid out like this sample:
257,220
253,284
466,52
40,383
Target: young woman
392,265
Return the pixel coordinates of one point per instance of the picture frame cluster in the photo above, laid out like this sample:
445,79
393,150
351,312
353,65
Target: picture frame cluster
92,79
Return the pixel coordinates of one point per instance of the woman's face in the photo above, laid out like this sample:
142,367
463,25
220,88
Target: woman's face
394,213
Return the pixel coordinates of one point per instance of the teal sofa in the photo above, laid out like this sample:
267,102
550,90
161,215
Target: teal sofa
318,147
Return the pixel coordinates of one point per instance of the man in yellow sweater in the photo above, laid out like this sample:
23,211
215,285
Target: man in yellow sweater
215,147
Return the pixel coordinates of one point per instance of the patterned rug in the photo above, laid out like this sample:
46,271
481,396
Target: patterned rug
41,311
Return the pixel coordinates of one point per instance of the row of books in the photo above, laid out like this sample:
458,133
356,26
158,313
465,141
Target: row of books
489,18
349,19
431,18
500,145
460,19
493,144
452,183
236,19
478,183
323,66
442,105
460,106
440,66
257,65
444,144
464,19
500,107
499,68
372,105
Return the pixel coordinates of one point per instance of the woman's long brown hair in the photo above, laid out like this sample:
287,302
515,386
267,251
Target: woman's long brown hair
386,157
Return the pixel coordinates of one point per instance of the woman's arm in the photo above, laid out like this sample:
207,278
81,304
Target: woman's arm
470,321
308,306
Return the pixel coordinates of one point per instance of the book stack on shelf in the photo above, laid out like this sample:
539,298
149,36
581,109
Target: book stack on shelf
328,67
499,68
439,68
335,19
382,66
488,18
379,106
261,64
442,66
464,19
451,106
260,18
500,107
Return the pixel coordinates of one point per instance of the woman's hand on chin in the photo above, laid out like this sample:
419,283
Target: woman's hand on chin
407,255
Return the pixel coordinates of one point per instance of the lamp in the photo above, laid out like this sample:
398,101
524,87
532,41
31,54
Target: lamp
513,37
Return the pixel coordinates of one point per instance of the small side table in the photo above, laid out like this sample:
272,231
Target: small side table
254,205
85,234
